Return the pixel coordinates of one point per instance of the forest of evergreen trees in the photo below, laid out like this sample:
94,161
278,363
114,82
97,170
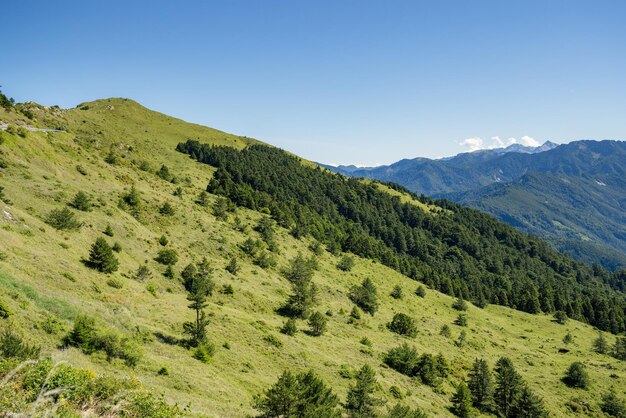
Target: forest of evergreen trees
457,250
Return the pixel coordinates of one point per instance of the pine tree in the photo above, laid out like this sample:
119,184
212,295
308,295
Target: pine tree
359,402
612,405
317,322
132,198
460,304
396,293
167,209
600,344
508,386
462,401
528,405
108,231
364,296
63,220
289,327
460,342
101,257
560,317
199,285
81,201
481,385
233,266
402,411
203,199
619,349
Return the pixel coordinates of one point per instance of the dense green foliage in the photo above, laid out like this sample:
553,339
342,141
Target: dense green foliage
405,359
63,219
101,257
459,251
301,395
576,376
365,296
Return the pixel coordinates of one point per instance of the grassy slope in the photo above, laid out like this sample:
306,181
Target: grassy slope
42,176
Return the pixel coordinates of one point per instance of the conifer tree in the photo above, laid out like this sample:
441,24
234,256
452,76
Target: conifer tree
528,405
81,201
508,386
203,199
317,322
396,293
233,266
199,285
101,257
619,349
462,401
600,344
481,385
576,376
360,402
289,328
364,296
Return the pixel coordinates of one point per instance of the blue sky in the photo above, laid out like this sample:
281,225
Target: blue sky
363,82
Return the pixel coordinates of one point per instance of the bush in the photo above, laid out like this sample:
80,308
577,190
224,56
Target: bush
115,283
111,157
460,304
163,371
289,327
403,359
167,257
402,411
600,344
612,405
143,273
5,312
108,231
163,240
13,346
364,296
117,247
619,349
82,170
403,324
63,219
445,331
233,266
204,352
420,291
227,289
81,201
167,209
273,340
576,376
568,339
265,260
461,320
396,293
101,257
317,324
346,263
560,317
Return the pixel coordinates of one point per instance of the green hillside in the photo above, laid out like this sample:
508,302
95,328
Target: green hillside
109,147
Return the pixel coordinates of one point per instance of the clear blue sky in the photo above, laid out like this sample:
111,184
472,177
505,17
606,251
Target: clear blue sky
337,81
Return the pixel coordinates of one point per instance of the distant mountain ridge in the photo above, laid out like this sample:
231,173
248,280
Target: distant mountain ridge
572,194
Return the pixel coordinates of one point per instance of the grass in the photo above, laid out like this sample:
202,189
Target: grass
250,351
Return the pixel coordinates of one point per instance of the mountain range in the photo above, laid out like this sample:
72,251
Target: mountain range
574,194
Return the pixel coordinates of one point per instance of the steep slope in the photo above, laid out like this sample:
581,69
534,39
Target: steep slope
44,282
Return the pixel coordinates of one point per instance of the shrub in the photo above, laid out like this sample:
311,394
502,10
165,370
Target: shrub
82,335
143,273
227,289
145,166
108,231
3,196
169,272
163,240
178,192
273,340
364,296
600,344
396,293
461,320
163,371
366,341
289,327
204,352
115,283
560,317
420,291
82,170
403,359
111,157
233,266
460,342
265,260
13,346
167,209
203,199
619,349
167,257
164,173
568,339
576,376
317,324
612,405
445,331
81,201
402,411
462,401
460,304
403,324
63,219
5,312
345,263
117,247
101,257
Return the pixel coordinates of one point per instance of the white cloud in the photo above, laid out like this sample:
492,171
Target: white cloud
528,141
476,143
472,144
